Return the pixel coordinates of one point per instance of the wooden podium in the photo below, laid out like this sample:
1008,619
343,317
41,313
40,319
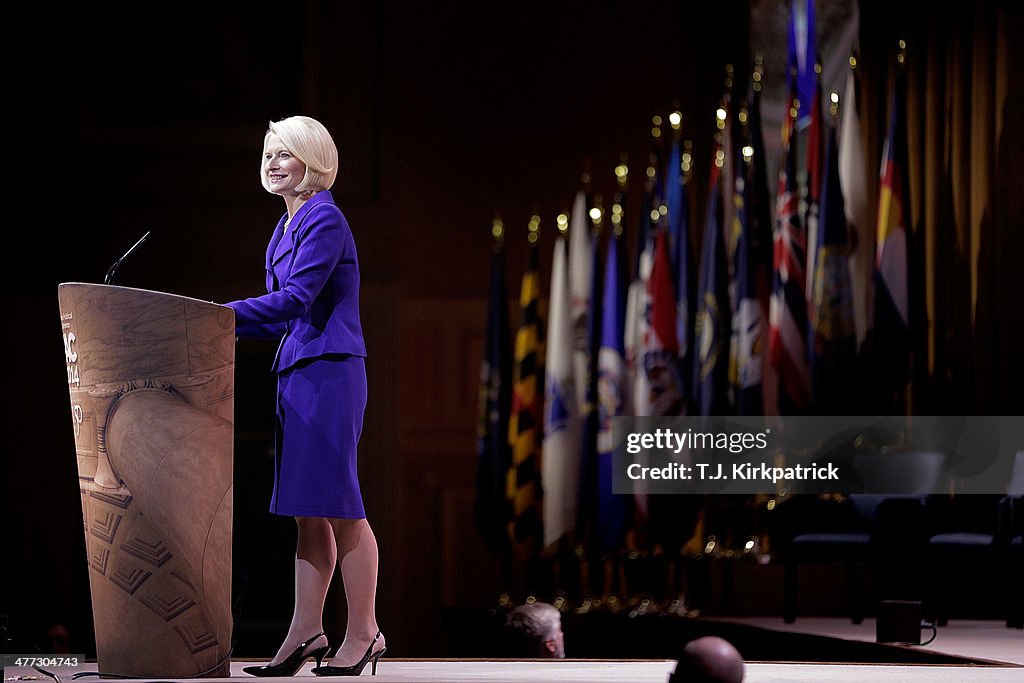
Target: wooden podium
151,378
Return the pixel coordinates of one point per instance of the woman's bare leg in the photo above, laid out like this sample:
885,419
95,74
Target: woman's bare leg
357,557
315,555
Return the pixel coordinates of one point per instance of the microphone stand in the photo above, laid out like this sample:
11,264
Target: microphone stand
109,279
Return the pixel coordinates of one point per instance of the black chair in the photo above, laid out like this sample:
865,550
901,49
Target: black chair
1011,531
969,535
885,523
1012,525
962,549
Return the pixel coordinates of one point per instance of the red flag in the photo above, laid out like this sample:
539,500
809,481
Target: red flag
662,348
787,316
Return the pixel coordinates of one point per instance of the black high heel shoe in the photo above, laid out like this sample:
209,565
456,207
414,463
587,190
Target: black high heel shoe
357,668
292,662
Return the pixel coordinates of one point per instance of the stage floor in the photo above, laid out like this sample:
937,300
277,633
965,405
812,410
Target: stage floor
979,640
975,639
548,671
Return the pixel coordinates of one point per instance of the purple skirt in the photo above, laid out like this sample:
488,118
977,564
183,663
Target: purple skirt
320,405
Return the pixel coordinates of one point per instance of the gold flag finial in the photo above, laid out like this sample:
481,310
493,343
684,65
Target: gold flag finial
562,221
617,217
656,122
596,215
534,229
622,172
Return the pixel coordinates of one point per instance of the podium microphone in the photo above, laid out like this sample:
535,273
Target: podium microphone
109,279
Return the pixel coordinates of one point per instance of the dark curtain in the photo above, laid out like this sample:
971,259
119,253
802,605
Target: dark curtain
965,112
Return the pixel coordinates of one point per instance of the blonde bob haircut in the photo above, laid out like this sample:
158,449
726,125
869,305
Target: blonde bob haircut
309,141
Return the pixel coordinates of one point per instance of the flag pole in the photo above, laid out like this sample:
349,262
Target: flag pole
917,384
613,572
586,513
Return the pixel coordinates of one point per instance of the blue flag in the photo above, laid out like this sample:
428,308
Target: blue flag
612,509
713,325
682,261
834,337
801,55
674,200
758,202
747,355
493,456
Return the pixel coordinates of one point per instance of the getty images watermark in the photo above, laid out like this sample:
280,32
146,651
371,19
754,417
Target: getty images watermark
675,443
834,454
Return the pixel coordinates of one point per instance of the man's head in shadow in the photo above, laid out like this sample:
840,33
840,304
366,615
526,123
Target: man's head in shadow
537,631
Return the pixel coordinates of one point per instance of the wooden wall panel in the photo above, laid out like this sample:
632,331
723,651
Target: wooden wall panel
470,572
442,562
439,349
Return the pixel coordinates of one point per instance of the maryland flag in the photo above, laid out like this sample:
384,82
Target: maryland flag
525,428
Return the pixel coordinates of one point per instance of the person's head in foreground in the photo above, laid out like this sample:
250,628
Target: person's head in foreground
709,660
538,630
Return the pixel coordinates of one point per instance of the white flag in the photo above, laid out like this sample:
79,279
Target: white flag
560,460
637,308
854,183
581,280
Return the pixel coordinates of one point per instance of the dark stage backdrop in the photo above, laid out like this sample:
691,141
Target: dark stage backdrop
151,117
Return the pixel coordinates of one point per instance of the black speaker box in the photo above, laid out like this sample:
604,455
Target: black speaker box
899,621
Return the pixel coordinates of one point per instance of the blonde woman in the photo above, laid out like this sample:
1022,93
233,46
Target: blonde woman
312,305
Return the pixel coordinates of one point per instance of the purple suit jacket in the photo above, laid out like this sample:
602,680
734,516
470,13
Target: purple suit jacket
313,288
